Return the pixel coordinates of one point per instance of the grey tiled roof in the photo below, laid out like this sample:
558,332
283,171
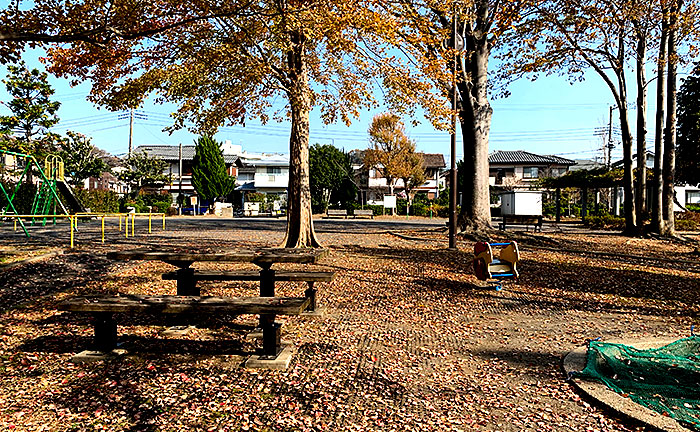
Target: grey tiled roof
169,153
523,157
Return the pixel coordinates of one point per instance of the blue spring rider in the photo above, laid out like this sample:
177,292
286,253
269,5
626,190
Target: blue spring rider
502,268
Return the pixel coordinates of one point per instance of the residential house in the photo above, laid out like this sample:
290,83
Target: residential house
372,186
685,194
254,172
181,182
107,181
521,168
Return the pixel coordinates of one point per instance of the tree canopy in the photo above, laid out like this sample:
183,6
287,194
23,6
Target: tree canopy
330,176
390,149
33,111
222,63
143,171
689,129
81,158
209,175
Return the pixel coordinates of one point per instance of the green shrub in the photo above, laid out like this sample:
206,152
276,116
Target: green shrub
420,209
255,197
159,202
687,221
693,207
605,222
98,201
22,201
686,225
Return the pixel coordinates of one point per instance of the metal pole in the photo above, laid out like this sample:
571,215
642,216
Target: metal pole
453,143
608,156
72,235
131,128
163,221
149,223
133,222
179,174
103,229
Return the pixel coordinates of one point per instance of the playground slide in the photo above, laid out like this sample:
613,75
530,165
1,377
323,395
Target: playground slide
71,200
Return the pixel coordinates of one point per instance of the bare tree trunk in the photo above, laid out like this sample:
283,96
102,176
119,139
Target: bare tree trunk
669,228
641,129
627,176
657,220
475,117
300,229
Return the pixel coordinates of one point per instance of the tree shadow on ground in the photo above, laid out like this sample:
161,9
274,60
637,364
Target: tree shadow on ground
163,389
28,282
139,345
651,285
541,365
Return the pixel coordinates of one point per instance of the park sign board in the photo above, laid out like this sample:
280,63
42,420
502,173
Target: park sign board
389,201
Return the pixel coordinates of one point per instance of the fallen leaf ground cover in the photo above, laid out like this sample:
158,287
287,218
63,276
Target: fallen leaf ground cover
410,339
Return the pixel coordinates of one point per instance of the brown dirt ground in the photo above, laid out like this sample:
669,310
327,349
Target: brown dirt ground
410,341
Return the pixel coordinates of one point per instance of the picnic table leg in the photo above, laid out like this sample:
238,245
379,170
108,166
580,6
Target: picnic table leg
310,293
267,289
267,282
105,331
186,283
271,343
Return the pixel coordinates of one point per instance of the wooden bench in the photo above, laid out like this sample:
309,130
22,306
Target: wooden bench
103,308
527,220
367,212
336,212
190,277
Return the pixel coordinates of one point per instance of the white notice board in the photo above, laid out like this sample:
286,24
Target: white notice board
389,201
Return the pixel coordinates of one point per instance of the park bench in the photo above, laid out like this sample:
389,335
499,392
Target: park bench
336,213
104,307
367,212
527,220
189,277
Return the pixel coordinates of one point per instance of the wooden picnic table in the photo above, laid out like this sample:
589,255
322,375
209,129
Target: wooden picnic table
187,277
188,299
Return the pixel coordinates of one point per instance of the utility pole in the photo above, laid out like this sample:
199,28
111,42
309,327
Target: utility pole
453,142
179,174
608,156
131,128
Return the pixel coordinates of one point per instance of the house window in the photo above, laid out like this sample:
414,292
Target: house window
530,172
558,172
274,170
692,197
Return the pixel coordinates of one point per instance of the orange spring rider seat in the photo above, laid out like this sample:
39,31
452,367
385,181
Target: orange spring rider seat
504,267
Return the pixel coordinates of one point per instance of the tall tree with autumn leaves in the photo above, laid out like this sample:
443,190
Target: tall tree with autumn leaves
610,37
423,38
225,63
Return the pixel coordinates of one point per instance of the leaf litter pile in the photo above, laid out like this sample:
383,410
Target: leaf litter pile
410,339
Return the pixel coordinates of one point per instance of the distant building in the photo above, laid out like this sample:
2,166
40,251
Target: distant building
108,182
372,186
254,172
512,168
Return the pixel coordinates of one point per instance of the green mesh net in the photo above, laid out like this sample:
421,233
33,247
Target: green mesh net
665,379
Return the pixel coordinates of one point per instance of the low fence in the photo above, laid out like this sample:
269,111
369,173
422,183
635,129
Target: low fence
73,220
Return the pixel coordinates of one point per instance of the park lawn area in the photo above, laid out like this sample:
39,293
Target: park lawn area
410,341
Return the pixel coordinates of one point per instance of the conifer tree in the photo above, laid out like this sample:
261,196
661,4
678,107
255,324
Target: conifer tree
689,130
209,176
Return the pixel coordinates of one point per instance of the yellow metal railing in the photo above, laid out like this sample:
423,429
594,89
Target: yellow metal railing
73,220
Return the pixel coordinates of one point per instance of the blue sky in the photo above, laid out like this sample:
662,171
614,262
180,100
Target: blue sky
547,116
